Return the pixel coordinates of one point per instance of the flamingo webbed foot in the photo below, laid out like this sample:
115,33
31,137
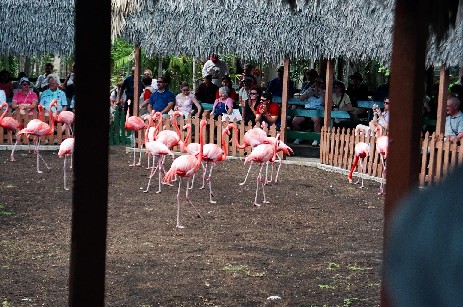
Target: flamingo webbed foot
180,226
213,201
257,205
158,191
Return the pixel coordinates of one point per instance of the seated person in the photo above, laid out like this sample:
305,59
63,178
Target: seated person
314,97
249,109
145,95
226,81
162,100
268,111
205,92
309,80
275,86
6,85
380,121
223,104
53,92
454,121
185,100
341,101
25,99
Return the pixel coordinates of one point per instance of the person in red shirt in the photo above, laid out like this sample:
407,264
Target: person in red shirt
268,111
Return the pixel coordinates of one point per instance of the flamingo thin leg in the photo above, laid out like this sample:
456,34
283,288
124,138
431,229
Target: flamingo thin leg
178,204
245,178
64,176
204,175
210,185
188,201
280,161
258,179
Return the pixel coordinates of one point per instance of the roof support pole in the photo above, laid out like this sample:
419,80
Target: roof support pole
90,191
442,100
284,98
136,80
406,96
328,92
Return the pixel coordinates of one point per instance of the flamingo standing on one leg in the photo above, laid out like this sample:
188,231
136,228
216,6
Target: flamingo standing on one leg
262,154
362,150
65,149
39,128
66,118
9,123
134,123
186,166
155,149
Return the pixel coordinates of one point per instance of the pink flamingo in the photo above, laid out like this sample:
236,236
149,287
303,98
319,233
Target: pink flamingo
155,149
262,154
9,123
65,149
255,137
39,128
362,150
282,147
66,118
382,144
134,123
186,166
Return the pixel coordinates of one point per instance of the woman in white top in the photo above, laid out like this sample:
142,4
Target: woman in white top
185,100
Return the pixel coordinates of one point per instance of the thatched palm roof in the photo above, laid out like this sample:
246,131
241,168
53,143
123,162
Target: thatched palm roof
252,29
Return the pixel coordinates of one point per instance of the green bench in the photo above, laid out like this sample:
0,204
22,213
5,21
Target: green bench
310,135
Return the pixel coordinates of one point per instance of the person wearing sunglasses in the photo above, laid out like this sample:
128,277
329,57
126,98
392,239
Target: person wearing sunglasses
185,100
249,108
25,99
162,100
380,118
268,111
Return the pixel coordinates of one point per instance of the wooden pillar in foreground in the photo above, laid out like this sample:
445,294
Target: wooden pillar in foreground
284,99
442,100
90,191
328,92
406,96
136,80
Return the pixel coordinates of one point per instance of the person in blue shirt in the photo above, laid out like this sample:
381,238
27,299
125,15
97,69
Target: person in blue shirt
53,92
161,100
275,86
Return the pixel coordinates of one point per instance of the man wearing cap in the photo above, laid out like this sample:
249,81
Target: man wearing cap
216,68
128,87
25,99
275,86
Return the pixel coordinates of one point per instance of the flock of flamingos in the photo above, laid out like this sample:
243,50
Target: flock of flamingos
159,143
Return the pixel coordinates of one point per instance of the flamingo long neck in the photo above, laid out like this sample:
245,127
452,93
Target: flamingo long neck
238,145
158,115
4,112
40,107
147,129
52,128
199,156
354,165
55,114
184,144
275,146
174,120
224,145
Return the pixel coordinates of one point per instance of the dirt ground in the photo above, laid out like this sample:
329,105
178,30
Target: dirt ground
317,243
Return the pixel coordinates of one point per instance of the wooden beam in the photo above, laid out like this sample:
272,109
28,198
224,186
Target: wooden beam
442,100
90,191
284,98
328,92
406,97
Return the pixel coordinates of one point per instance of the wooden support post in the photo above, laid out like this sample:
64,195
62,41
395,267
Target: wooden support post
328,93
406,96
136,80
442,100
284,98
90,197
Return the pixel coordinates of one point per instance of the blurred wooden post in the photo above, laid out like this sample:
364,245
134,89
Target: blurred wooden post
442,100
406,96
284,98
328,93
136,81
90,191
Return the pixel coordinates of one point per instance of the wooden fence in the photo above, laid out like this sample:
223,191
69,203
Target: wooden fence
437,157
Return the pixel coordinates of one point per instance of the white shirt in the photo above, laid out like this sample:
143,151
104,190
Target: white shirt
217,70
2,96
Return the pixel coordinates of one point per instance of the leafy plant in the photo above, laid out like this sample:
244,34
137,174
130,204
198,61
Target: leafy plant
332,266
349,301
326,287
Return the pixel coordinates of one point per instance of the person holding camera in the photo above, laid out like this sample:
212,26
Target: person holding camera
380,118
